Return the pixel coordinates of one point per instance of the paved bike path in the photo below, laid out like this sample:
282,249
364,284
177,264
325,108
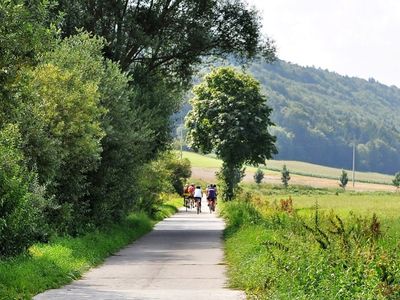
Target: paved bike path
182,258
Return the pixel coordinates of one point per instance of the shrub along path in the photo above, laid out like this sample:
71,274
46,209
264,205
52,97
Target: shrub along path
180,259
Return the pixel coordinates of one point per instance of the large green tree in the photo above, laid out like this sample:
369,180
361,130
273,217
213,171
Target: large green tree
160,43
230,116
24,33
60,116
169,34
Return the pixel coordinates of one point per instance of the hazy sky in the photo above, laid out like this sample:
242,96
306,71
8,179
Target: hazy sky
351,37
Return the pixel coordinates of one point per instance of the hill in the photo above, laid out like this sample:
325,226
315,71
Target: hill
320,114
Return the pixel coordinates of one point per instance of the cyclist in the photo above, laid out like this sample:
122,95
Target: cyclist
191,189
211,197
186,195
198,194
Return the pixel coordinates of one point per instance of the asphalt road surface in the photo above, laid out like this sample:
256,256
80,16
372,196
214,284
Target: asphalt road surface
182,258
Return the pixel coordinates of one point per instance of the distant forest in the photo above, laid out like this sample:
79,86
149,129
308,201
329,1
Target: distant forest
320,114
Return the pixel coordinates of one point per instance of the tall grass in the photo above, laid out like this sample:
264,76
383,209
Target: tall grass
273,252
64,259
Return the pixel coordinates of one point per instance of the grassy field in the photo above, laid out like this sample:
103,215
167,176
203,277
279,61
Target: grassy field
204,168
278,248
386,205
64,259
295,167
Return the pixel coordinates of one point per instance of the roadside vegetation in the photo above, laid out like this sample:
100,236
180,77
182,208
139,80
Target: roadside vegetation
86,99
87,95
63,259
304,243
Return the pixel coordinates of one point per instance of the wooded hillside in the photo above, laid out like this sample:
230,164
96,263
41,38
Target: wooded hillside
320,113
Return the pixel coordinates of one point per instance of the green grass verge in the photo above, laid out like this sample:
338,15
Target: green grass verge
273,253
57,263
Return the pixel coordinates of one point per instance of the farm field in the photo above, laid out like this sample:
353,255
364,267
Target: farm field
204,168
278,246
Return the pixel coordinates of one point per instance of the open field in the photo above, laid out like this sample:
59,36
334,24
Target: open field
279,251
204,168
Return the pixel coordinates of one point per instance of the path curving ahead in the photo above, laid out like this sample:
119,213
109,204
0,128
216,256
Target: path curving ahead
182,258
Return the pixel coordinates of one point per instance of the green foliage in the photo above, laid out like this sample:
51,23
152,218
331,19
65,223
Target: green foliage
64,259
258,176
156,100
64,140
24,34
321,256
164,175
167,36
180,171
22,202
230,116
125,148
343,179
396,180
239,213
228,180
160,43
285,176
363,111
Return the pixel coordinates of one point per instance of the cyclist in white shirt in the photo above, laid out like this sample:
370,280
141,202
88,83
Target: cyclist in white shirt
198,194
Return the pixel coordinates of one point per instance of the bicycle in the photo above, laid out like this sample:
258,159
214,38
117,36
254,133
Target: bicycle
198,205
211,205
186,201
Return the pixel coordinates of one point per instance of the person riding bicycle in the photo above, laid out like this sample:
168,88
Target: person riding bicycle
186,195
211,195
198,194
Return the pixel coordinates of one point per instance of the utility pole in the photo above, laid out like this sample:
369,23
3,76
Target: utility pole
182,125
182,140
354,161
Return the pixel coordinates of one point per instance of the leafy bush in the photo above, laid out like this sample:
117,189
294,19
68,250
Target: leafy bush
21,198
179,170
160,177
258,176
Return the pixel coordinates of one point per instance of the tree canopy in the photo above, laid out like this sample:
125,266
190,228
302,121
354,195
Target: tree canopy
169,35
230,117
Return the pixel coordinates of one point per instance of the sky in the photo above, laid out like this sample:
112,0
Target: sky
351,37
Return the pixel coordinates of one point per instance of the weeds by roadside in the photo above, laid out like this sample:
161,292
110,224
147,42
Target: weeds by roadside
275,253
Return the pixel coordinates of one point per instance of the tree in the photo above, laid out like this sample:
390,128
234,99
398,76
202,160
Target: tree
168,35
24,34
285,176
258,176
63,142
162,42
230,116
396,180
22,203
343,179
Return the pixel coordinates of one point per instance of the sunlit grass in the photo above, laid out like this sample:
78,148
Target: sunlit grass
277,254
64,259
